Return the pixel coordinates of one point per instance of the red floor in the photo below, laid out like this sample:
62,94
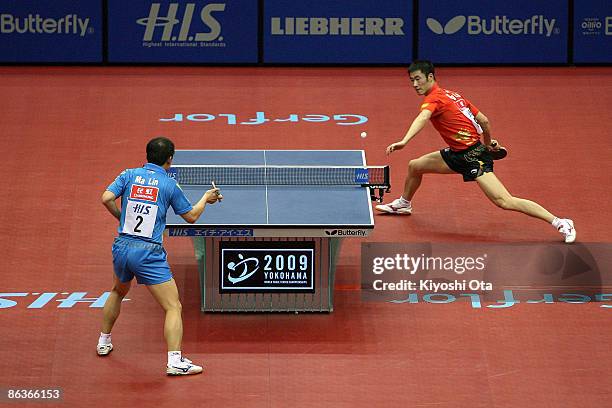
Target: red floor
66,133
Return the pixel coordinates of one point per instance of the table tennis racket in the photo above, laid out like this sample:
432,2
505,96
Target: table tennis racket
498,154
218,193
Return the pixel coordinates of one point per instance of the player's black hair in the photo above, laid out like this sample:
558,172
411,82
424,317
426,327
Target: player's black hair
425,66
159,150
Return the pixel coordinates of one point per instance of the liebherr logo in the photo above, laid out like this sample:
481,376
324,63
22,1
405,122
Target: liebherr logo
368,26
184,36
498,25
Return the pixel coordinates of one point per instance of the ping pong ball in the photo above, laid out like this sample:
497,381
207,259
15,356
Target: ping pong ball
364,134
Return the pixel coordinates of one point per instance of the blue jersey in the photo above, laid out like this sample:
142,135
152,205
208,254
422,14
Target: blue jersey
146,194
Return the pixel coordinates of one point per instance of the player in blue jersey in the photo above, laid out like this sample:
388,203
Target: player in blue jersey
146,194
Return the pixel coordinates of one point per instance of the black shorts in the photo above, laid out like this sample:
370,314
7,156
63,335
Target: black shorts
472,162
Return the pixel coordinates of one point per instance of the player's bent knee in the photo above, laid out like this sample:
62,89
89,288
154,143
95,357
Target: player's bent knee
414,167
121,291
175,307
505,203
171,304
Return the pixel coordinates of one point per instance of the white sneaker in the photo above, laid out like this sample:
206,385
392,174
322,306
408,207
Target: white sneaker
184,367
395,207
104,349
566,228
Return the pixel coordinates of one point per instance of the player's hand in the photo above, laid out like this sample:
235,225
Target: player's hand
493,146
395,146
213,195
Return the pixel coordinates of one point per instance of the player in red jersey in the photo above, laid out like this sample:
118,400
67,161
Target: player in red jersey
461,125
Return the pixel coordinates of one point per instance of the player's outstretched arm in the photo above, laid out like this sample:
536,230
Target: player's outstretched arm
210,197
417,125
484,123
108,199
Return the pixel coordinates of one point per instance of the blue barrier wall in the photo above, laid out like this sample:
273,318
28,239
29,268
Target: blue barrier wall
306,32
51,31
181,31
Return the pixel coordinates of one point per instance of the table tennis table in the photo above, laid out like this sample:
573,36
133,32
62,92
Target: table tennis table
271,243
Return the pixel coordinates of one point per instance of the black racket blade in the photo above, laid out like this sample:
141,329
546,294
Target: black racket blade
498,154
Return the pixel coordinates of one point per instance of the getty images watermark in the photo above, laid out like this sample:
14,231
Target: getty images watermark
503,274
411,264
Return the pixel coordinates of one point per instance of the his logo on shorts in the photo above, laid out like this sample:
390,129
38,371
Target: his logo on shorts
144,193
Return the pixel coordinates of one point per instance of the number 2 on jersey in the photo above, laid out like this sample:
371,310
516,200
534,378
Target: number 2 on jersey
139,219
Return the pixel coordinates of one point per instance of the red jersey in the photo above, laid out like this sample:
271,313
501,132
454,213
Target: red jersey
453,116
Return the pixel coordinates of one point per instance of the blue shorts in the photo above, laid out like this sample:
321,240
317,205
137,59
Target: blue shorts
145,260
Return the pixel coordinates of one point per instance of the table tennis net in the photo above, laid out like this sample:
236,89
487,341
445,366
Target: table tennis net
280,175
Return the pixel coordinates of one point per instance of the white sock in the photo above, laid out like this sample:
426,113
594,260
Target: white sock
104,338
556,222
405,202
174,357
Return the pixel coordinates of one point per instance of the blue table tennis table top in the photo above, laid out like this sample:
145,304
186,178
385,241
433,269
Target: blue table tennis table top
277,210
